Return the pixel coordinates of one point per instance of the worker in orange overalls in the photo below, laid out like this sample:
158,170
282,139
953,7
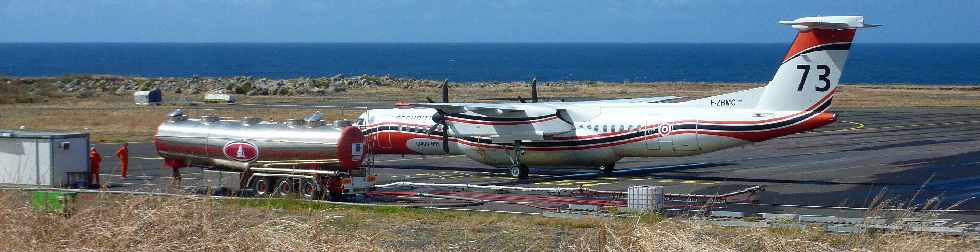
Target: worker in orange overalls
123,154
94,160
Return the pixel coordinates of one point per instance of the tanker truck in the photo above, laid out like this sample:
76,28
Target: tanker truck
299,156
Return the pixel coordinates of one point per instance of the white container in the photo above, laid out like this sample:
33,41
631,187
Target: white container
645,198
220,98
43,158
152,97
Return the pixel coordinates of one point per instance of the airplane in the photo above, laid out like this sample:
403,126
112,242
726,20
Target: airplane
596,134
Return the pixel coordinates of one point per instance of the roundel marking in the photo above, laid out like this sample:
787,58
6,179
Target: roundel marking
241,151
665,129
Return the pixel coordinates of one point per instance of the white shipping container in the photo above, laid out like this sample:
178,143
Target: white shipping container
645,198
43,158
216,97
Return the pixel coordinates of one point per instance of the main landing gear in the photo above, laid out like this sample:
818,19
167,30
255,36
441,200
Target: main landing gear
518,169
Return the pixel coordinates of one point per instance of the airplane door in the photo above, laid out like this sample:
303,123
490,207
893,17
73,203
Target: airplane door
661,141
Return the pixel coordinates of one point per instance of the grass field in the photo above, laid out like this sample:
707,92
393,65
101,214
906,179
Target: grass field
112,118
128,223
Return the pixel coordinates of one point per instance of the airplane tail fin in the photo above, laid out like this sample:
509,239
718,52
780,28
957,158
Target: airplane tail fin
809,74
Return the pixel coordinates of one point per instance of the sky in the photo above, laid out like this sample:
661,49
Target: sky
468,21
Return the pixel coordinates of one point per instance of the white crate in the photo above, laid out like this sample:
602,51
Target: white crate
645,198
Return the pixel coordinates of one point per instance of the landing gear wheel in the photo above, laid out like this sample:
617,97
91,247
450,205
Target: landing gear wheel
285,187
607,169
309,190
262,187
519,171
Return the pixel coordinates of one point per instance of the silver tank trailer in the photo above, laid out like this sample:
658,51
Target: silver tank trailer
250,142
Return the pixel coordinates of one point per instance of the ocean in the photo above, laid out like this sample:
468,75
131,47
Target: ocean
923,64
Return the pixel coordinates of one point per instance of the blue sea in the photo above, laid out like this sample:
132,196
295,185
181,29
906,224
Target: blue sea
927,64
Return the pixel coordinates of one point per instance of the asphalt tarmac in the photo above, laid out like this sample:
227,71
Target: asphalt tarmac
901,156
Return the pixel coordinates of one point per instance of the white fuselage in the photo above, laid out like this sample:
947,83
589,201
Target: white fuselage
601,133
598,133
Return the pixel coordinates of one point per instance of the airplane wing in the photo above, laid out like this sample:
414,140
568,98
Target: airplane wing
504,122
528,109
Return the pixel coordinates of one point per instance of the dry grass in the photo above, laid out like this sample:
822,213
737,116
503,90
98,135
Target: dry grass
166,224
114,119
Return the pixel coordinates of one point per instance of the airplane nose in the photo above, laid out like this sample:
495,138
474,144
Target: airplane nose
826,118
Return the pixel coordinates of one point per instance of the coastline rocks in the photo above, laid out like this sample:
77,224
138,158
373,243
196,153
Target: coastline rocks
243,85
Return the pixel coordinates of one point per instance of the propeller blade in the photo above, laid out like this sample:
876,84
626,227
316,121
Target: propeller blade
445,91
534,90
445,138
429,100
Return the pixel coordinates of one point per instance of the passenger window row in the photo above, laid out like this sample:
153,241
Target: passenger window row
607,128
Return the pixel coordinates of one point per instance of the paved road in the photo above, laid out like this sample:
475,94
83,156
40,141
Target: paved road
898,155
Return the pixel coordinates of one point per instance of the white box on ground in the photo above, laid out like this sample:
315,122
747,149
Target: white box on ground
223,179
216,97
152,97
43,158
645,198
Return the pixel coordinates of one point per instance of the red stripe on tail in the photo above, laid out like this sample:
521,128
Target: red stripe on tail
815,37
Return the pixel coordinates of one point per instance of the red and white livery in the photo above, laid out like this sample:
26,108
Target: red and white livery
599,133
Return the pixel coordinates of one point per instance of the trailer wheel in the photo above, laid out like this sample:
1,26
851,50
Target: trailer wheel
262,186
309,190
285,187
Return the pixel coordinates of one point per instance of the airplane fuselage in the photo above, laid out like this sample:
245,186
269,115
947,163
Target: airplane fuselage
601,134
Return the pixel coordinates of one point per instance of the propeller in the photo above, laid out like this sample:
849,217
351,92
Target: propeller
534,90
440,119
445,91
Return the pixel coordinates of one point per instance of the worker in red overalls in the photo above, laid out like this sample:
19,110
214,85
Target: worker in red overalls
123,154
94,160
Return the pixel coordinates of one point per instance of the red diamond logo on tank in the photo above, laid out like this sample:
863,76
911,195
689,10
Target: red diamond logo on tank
241,151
